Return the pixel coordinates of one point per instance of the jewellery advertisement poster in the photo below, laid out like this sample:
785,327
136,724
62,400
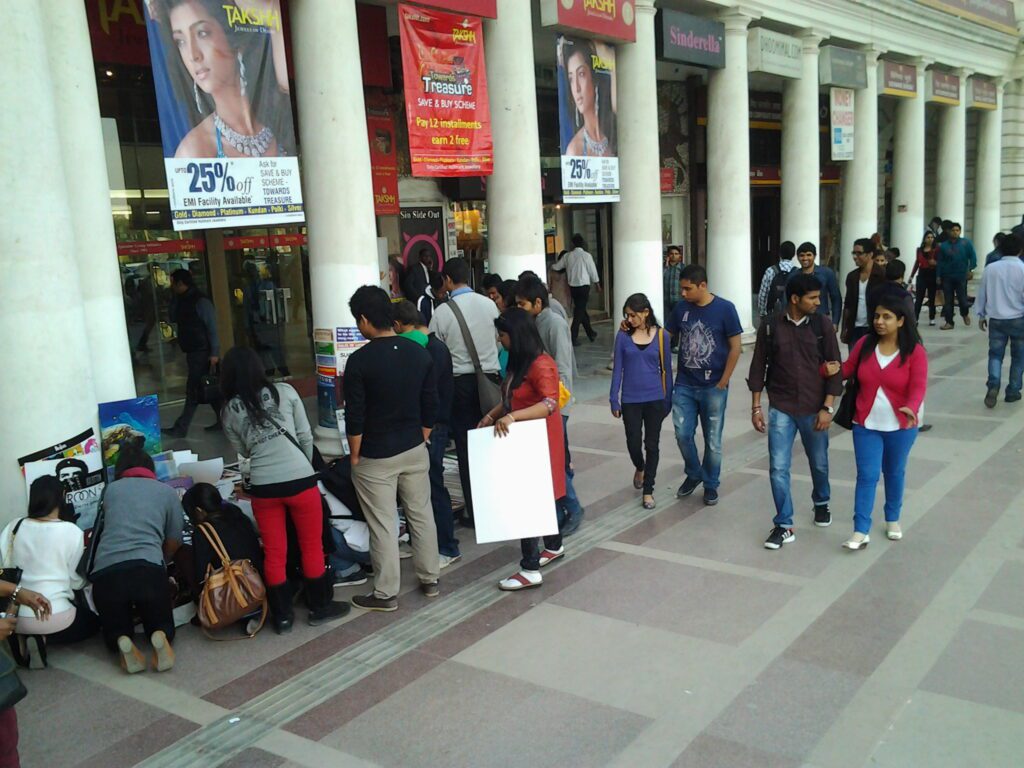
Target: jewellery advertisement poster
229,141
586,120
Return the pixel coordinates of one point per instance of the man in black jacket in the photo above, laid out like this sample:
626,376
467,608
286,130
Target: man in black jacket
197,337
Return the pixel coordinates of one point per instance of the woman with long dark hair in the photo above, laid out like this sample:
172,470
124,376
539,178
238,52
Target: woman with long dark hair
924,268
641,391
530,391
891,368
267,424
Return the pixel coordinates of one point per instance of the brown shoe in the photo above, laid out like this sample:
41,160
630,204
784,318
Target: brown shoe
946,327
430,589
371,602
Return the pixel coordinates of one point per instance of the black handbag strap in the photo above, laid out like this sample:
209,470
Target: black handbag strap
94,543
9,559
291,438
467,337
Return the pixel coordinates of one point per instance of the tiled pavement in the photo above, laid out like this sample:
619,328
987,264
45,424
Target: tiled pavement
667,638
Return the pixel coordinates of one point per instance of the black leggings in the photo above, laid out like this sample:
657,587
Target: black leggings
925,284
580,296
122,592
643,424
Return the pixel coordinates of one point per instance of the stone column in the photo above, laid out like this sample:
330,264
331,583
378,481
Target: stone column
800,140
636,218
47,381
988,177
336,180
81,146
951,169
728,152
515,216
860,175
908,216
1012,167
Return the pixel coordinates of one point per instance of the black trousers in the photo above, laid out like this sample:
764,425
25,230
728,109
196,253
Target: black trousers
925,285
580,296
954,286
198,363
643,426
466,414
123,592
531,551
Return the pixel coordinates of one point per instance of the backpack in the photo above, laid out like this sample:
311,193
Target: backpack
776,292
230,592
817,325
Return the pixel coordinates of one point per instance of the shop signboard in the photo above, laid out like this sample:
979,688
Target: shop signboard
613,20
842,67
422,226
374,52
586,120
445,93
981,94
118,32
380,126
773,53
487,9
690,39
997,14
897,79
841,122
942,87
225,114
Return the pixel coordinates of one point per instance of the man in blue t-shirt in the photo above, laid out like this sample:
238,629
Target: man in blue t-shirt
709,346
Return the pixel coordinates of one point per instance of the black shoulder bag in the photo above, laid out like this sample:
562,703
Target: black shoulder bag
844,413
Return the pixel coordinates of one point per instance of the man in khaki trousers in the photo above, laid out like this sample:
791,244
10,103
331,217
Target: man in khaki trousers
390,408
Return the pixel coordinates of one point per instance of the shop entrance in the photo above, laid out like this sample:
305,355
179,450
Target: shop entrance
766,224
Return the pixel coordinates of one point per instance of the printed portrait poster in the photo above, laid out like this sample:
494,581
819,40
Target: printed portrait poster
445,93
226,122
380,126
422,226
84,442
129,422
82,478
586,120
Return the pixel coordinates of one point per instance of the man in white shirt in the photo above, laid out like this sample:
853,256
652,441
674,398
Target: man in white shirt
480,313
581,272
1000,310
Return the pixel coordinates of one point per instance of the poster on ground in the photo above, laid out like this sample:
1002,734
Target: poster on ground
222,94
445,93
82,478
586,120
841,118
129,422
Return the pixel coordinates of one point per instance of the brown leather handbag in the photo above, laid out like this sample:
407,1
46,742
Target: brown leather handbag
230,592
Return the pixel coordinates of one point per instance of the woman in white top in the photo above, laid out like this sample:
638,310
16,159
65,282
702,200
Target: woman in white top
47,549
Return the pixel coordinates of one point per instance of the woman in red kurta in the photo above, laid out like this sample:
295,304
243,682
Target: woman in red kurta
530,391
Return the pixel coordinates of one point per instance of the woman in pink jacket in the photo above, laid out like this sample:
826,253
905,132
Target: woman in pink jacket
892,375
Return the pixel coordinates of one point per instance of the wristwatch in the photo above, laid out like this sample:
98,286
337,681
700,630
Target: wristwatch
830,409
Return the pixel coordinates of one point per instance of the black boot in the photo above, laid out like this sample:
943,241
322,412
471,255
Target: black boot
320,599
281,611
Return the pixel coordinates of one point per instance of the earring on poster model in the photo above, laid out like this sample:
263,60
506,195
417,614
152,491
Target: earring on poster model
241,72
195,90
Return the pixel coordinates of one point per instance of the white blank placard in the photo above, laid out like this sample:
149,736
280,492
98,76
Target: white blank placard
513,497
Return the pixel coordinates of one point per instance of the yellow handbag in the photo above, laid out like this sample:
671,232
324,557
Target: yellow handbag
564,395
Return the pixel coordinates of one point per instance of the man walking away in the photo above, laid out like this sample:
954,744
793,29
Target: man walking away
670,278
1000,308
831,299
409,324
479,313
790,349
197,337
709,346
390,410
956,261
863,277
581,272
769,294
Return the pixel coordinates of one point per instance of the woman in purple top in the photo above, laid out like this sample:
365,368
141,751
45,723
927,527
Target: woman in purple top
641,391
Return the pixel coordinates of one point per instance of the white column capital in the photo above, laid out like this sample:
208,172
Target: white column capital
871,53
922,63
811,38
644,6
963,73
738,18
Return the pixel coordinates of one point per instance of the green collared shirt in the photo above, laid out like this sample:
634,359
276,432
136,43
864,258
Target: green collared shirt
418,336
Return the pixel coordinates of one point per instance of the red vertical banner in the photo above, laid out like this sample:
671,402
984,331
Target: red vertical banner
445,93
383,164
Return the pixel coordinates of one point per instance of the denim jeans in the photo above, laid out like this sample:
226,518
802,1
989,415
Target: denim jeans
706,405
782,432
568,506
879,453
344,560
1001,332
440,499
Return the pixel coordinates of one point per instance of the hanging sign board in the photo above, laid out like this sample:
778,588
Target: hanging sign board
383,163
774,53
225,114
487,9
445,93
841,119
842,67
981,94
942,87
612,20
690,39
997,14
586,120
896,79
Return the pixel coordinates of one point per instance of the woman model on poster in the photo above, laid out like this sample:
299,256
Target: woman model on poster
590,104
217,68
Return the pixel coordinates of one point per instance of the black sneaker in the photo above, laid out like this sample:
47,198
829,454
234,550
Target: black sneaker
710,497
688,487
371,602
778,537
352,580
990,398
1011,397
822,517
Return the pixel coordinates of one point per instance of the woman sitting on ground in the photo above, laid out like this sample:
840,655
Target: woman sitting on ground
48,550
139,530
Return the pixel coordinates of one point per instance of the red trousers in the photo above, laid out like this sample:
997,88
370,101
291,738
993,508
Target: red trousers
306,511
9,739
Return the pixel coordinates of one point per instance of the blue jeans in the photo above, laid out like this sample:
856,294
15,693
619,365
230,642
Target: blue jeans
999,333
879,453
782,432
568,506
706,404
344,560
440,499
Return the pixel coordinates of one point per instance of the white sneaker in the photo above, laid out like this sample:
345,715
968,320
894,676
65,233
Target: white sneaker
521,580
893,531
857,541
404,550
446,560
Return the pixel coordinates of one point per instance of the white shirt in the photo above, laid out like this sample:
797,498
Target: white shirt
861,320
1001,295
480,313
48,554
579,268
